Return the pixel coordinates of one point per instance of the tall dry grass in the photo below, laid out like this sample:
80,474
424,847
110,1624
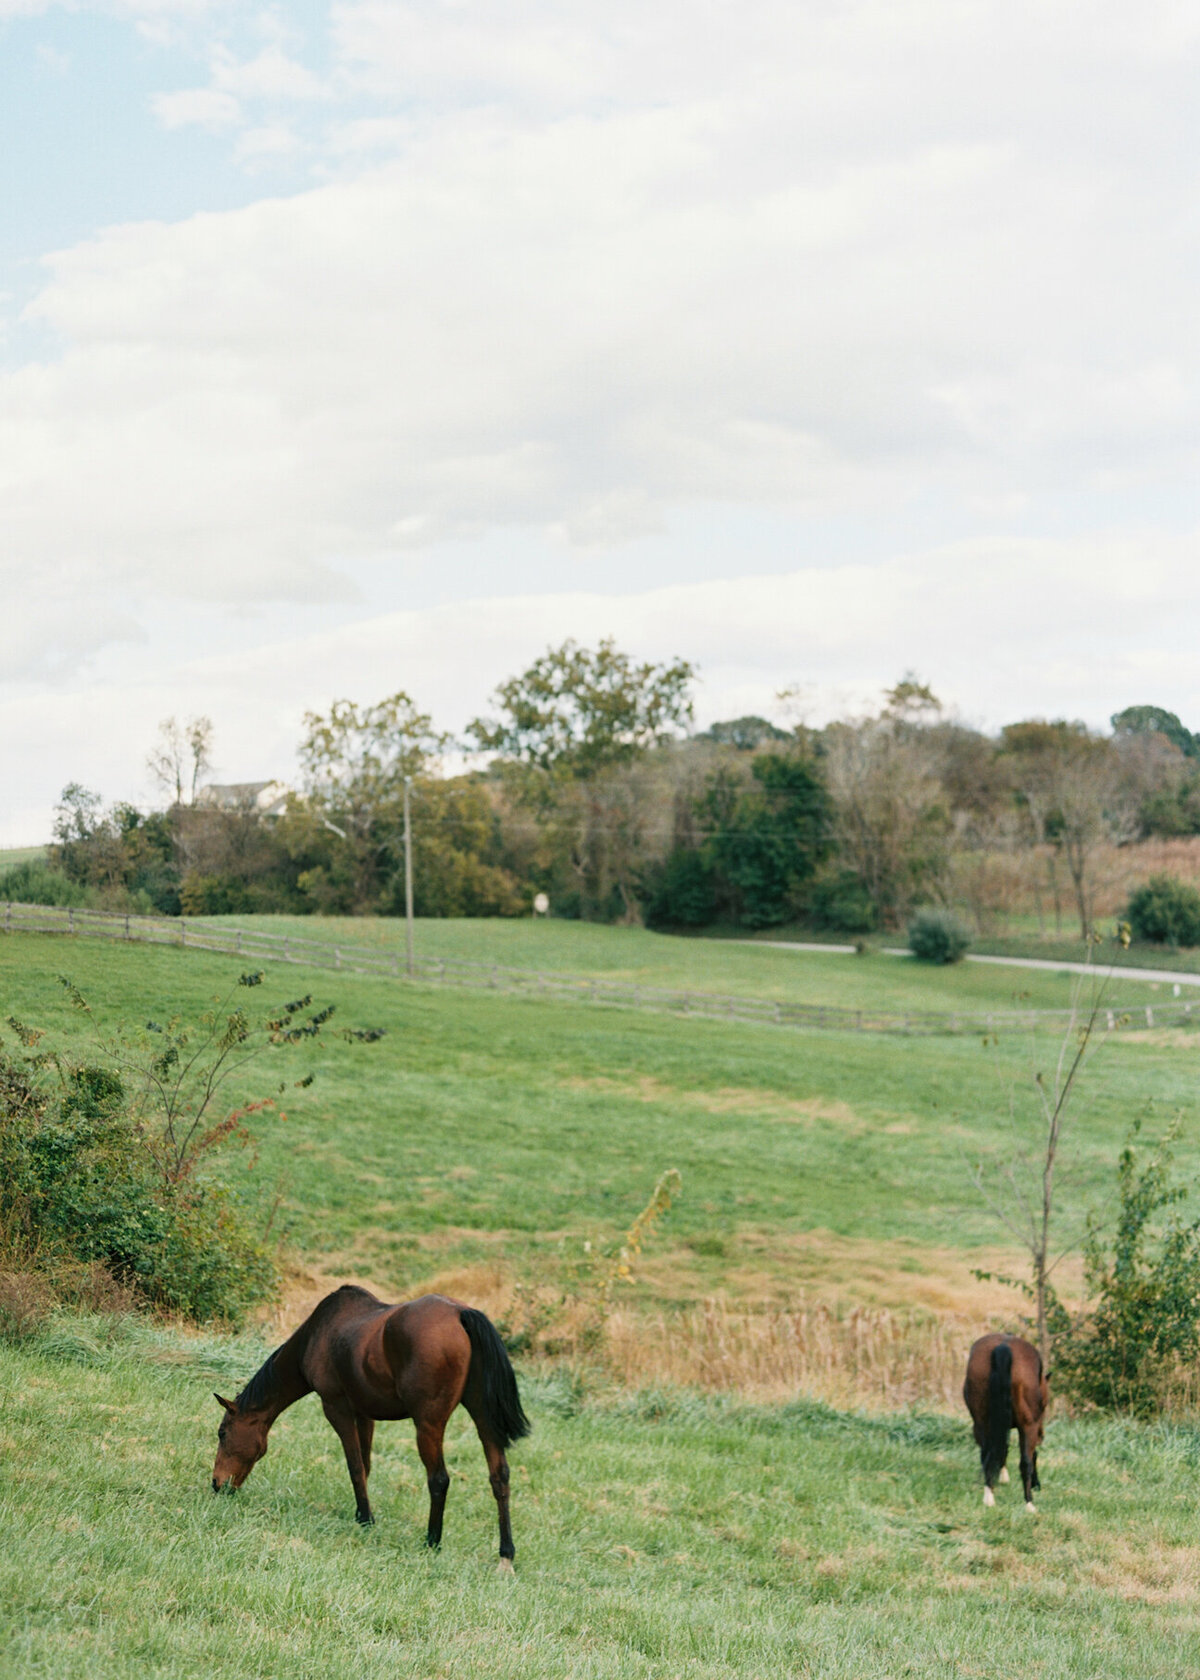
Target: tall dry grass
862,1356
999,887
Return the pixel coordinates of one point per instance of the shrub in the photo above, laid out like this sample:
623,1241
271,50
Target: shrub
841,903
79,1189
34,882
937,936
108,1164
1146,1287
1165,910
680,892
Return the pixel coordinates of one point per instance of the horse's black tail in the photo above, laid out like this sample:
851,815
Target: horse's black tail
999,1411
506,1421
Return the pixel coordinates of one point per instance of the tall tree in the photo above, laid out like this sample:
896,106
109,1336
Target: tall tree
355,761
180,757
574,730
1075,787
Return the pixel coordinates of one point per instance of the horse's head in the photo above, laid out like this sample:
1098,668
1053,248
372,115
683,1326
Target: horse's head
241,1442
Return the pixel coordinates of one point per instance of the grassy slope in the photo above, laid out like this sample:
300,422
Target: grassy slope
483,1124
667,1540
11,856
702,964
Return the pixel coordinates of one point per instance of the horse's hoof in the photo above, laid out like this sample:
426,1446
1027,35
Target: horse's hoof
506,1567
1002,1478
1031,1507
365,1522
989,1498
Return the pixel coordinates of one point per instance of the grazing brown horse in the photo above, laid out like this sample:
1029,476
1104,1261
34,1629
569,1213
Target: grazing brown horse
370,1361
1005,1389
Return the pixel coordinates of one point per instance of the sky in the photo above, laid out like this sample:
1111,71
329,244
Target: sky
376,345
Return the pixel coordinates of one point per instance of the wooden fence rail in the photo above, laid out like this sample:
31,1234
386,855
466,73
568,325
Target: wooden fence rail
263,946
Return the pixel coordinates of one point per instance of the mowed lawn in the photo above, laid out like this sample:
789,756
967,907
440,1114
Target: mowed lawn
656,1536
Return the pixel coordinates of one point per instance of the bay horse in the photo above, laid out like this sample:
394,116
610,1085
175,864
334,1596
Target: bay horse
1005,1389
369,1361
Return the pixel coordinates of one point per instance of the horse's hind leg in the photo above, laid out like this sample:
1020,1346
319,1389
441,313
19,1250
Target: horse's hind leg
1029,1475
429,1445
497,1465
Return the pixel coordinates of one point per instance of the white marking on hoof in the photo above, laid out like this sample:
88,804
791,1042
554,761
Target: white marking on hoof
1002,1478
989,1498
506,1566
1031,1507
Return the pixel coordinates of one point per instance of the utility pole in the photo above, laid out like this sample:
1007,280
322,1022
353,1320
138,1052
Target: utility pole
408,908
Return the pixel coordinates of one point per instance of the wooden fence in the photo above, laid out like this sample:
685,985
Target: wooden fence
262,946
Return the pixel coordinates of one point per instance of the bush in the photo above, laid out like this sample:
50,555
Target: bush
1165,910
937,936
680,892
34,882
115,1171
79,1188
1145,1324
840,903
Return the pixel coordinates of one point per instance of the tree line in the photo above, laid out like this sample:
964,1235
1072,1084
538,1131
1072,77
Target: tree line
594,787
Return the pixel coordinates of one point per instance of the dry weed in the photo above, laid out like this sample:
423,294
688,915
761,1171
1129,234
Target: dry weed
862,1356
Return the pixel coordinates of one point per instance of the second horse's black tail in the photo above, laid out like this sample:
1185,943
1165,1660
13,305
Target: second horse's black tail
505,1419
999,1411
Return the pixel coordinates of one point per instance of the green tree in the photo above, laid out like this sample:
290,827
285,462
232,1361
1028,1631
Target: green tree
573,737
1156,720
577,712
355,761
766,842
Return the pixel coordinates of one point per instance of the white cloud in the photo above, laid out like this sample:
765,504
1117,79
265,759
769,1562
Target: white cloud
573,274
1001,629
210,108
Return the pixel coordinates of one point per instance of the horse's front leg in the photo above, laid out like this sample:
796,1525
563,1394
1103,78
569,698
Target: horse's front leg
429,1445
345,1422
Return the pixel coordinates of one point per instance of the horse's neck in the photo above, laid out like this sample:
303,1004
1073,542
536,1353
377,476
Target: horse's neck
289,1383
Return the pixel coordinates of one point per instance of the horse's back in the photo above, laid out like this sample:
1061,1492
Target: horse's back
1028,1380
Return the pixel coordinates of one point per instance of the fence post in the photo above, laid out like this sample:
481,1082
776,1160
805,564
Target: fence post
127,933
182,931
1149,1016
239,941
71,918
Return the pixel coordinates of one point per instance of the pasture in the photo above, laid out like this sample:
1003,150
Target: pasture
685,1511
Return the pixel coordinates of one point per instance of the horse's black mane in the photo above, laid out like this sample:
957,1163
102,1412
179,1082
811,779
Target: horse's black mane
260,1388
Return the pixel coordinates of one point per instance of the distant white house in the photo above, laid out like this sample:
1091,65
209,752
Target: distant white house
266,799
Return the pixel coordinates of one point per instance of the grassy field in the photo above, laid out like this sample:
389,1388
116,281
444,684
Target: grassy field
657,1536
747,968
662,1530
11,856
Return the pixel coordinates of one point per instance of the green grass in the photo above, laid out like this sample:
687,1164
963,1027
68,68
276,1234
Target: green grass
665,1537
716,965
483,1125
11,856
658,1535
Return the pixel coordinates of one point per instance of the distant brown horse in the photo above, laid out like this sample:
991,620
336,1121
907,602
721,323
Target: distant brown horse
1005,1389
370,1361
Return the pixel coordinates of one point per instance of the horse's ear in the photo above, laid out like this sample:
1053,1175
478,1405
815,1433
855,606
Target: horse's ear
228,1404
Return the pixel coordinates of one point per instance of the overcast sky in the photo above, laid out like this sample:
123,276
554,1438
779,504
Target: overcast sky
352,347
